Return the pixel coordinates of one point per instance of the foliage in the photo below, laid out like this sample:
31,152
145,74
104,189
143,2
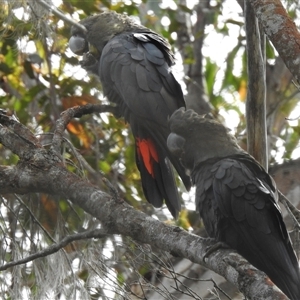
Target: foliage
39,79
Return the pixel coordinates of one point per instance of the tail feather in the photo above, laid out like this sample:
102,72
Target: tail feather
154,161
157,176
275,257
160,137
159,183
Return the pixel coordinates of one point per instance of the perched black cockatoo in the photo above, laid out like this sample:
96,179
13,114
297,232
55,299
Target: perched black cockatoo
133,64
236,197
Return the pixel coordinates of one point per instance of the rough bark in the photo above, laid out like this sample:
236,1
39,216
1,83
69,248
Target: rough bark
281,31
256,92
41,170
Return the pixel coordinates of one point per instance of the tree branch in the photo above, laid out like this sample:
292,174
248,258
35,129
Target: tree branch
281,31
44,172
76,112
196,98
60,15
256,93
97,233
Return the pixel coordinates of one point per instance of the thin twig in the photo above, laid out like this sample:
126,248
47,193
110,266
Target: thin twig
61,15
98,233
75,112
112,190
293,211
175,275
35,219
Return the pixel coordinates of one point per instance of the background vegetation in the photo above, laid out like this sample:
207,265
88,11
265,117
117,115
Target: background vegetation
40,78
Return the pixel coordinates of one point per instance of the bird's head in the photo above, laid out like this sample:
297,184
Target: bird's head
195,138
99,30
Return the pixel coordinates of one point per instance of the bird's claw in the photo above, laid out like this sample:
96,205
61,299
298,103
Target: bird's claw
89,61
216,246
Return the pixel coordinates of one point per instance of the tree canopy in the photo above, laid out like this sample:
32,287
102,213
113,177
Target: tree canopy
60,140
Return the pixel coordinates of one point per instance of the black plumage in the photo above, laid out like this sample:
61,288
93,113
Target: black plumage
237,199
133,64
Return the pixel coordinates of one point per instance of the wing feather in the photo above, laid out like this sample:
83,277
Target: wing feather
144,67
135,75
239,207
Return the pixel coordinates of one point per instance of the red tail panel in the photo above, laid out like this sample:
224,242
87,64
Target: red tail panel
146,150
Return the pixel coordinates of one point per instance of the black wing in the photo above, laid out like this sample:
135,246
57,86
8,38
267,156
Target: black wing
136,76
135,73
238,204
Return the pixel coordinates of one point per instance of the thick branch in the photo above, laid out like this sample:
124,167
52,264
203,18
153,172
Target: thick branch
44,172
281,31
256,94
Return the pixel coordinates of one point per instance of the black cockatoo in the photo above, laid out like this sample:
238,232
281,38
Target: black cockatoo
236,197
133,64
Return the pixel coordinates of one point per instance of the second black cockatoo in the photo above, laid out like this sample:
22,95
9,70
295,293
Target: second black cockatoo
133,64
236,197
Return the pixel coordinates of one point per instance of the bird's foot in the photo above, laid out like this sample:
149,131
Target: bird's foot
89,62
216,246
